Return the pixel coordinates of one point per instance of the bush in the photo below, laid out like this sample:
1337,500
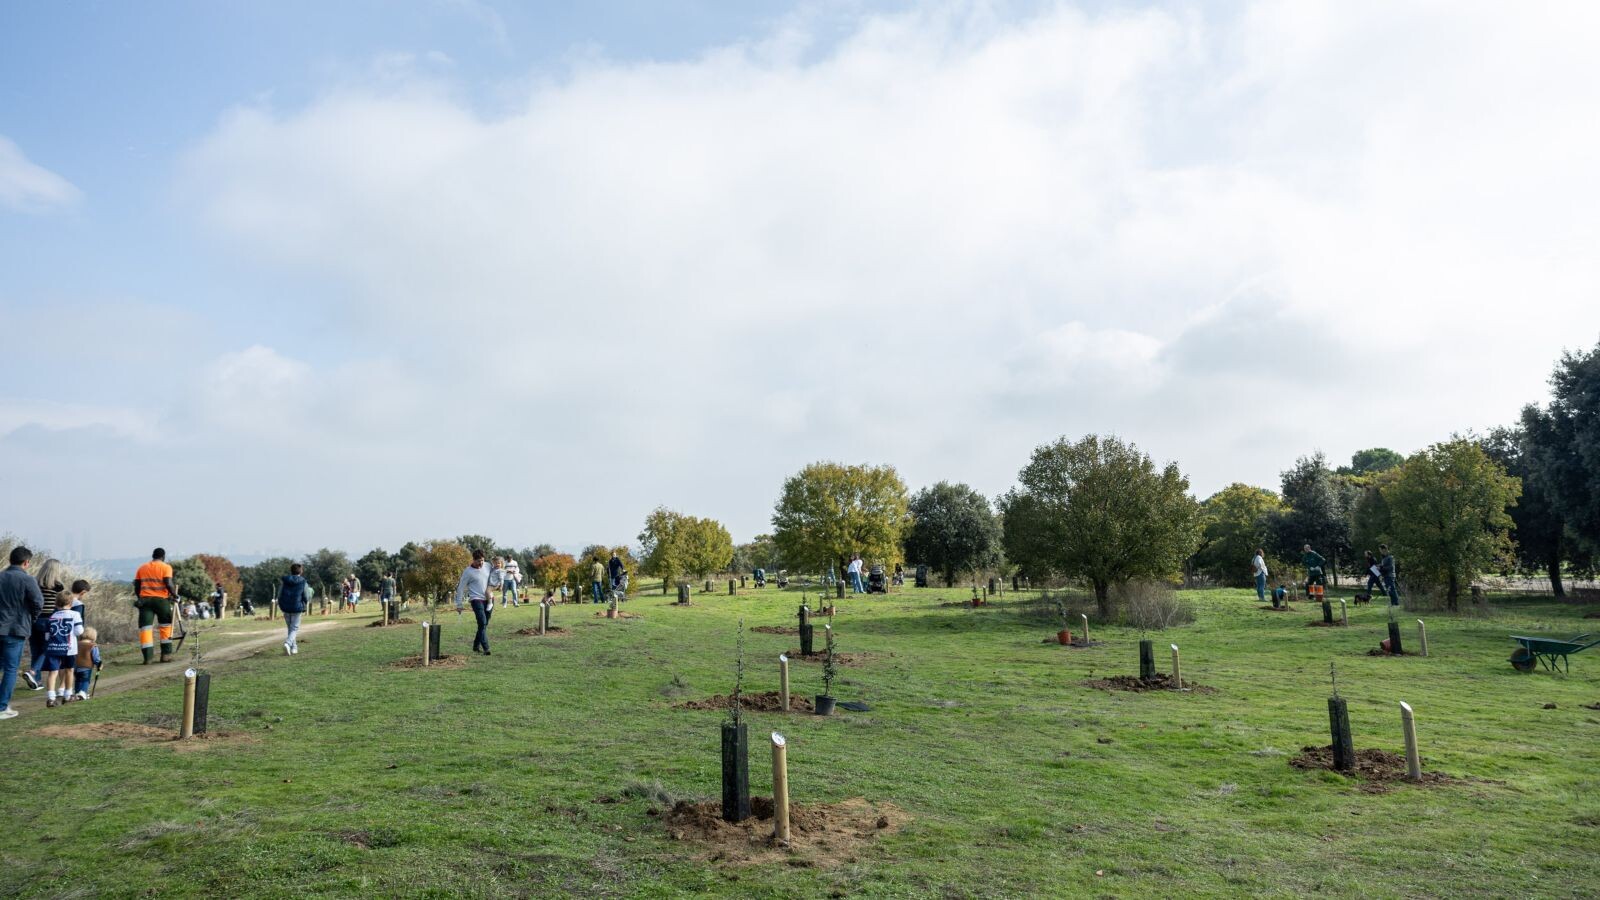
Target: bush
1152,606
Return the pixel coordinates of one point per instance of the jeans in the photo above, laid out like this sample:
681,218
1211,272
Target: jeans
508,588
80,680
10,661
480,611
292,622
595,587
1261,586
1388,586
855,583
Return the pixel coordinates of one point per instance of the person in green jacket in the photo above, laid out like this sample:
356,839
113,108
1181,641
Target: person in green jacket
1314,563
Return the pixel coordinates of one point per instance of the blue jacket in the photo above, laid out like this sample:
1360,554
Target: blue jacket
21,601
292,594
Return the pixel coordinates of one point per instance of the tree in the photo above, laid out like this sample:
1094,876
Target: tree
325,568
1098,509
1538,530
221,569
828,511
551,569
1449,513
1319,511
437,569
1371,520
1372,461
760,553
1563,444
371,568
479,542
953,529
260,581
674,544
1235,522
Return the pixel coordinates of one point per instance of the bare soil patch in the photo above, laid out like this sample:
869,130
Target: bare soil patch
552,631
400,621
776,629
620,615
1162,682
1075,645
1284,608
763,701
839,659
822,835
1379,769
1379,651
415,662
132,734
1318,623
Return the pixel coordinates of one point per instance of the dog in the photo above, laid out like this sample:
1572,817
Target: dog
1363,598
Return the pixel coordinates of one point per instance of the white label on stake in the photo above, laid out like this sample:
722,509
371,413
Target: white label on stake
190,673
777,739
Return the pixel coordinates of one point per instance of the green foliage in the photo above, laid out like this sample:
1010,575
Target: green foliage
1563,443
1371,519
1234,524
1319,511
1098,509
221,569
953,529
578,579
828,511
479,542
436,570
325,569
551,569
1372,461
191,578
1538,530
1449,514
760,553
262,579
371,568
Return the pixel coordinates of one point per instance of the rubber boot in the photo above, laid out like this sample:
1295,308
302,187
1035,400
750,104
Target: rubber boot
148,652
166,653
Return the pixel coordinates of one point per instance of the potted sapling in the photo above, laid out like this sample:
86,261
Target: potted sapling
1065,634
825,700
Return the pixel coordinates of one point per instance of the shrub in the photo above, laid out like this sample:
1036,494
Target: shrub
1152,606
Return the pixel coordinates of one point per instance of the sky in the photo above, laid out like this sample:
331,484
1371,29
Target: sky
283,275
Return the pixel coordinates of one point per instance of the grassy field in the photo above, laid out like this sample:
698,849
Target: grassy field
350,776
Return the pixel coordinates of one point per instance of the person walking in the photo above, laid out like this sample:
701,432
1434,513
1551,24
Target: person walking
1386,570
386,592
20,604
473,587
154,591
1314,563
513,580
219,600
48,576
355,591
855,575
618,574
1259,564
597,576
294,596
497,580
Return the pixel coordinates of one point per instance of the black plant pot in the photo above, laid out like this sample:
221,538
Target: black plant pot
824,705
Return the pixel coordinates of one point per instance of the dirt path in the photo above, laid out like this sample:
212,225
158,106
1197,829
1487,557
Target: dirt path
132,676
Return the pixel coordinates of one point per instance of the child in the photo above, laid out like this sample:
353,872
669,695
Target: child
61,653
88,663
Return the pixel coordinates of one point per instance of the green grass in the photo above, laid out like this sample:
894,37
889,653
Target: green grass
366,779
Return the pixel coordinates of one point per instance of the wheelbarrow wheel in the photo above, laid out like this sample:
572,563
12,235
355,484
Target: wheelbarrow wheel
1522,659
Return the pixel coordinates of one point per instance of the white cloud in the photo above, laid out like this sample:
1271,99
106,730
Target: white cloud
28,187
938,242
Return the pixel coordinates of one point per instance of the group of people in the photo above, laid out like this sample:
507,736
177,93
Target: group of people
1380,573
49,617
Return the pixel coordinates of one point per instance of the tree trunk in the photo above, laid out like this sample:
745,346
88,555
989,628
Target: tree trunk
1102,599
949,579
1553,564
1452,591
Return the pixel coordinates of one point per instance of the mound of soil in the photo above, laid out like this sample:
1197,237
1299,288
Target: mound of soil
776,629
1075,645
400,621
1379,651
415,662
821,834
839,659
1162,682
1318,623
1378,768
1284,608
620,615
552,631
763,701
132,734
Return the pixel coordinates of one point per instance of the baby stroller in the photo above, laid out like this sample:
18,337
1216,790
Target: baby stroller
761,578
876,582
783,578
899,576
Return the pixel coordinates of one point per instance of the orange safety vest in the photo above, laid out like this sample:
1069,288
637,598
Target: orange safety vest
150,580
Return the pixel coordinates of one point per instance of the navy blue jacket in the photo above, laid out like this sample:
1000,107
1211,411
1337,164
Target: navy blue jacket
21,601
292,594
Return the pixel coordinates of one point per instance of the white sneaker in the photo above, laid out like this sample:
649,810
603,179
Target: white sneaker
81,695
295,650
288,649
8,713
33,683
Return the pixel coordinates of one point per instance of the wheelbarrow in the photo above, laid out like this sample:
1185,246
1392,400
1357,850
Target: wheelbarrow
1531,650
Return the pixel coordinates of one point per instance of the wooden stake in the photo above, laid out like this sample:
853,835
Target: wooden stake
1344,612
1344,753
544,616
732,590
427,646
1147,661
186,728
1177,673
1413,760
780,789
783,680
1422,637
1085,617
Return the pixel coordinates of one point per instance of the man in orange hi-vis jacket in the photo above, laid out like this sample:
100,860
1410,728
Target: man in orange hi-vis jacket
153,595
